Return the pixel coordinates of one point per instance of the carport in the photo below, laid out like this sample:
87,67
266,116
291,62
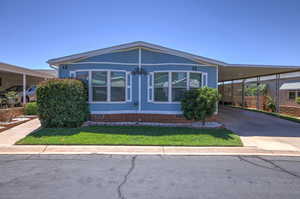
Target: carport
11,75
251,85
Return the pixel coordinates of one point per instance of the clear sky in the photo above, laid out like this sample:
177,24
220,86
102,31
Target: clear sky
234,31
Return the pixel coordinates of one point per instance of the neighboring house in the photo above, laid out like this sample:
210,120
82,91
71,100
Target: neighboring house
138,78
16,78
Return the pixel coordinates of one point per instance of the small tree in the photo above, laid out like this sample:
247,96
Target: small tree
271,104
12,98
199,104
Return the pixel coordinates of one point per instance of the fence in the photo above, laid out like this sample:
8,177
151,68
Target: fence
276,93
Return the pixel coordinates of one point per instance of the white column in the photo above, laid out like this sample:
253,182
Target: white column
24,88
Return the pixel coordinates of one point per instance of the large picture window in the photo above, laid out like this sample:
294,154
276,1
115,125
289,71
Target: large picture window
107,86
179,85
118,86
161,87
99,85
171,86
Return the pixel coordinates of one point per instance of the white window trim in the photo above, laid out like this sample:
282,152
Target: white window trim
204,75
108,86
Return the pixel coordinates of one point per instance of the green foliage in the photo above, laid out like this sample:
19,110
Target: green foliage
298,100
270,104
12,97
198,104
133,135
252,89
31,108
62,103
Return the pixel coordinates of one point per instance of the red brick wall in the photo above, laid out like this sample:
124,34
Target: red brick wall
290,110
142,118
7,114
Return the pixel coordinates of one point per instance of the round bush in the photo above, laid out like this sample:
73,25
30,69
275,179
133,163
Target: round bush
62,103
30,108
199,104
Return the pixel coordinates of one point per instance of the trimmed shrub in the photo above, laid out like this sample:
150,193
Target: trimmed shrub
199,104
62,103
30,108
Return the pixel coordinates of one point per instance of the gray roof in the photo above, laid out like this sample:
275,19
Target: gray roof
290,86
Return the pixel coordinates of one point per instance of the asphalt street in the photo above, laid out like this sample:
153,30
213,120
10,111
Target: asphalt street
148,177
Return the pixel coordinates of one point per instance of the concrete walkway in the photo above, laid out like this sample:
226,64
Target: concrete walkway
260,130
12,135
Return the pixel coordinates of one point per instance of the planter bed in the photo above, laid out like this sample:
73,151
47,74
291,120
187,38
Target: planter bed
15,122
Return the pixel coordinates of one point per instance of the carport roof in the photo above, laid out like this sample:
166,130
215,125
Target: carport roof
21,70
228,72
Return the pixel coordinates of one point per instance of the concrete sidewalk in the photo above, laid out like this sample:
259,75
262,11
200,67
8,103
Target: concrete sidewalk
12,135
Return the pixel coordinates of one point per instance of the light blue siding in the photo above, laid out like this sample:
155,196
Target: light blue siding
132,56
151,57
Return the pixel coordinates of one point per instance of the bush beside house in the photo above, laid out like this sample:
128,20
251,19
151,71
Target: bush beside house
199,104
30,108
62,103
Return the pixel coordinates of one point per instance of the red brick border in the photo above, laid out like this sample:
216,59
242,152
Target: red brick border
138,117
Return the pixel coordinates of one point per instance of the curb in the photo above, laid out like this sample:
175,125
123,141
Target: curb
141,150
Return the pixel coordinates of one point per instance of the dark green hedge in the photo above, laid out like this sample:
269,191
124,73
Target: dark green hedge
62,103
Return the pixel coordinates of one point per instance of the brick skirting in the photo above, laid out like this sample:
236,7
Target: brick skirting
137,117
290,110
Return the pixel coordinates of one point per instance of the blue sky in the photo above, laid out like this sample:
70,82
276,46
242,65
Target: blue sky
234,31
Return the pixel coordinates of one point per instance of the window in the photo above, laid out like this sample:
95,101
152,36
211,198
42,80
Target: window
108,86
292,95
171,86
99,85
118,86
179,85
195,80
161,87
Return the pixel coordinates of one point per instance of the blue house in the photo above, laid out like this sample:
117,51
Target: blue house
138,81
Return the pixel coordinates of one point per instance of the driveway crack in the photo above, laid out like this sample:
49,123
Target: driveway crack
120,194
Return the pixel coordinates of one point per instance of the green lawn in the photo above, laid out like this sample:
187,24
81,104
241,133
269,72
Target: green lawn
133,135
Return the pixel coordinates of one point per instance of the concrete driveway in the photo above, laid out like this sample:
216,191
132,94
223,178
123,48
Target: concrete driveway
261,130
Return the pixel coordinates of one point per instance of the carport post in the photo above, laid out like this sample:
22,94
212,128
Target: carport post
232,93
24,88
223,91
243,93
277,93
257,92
